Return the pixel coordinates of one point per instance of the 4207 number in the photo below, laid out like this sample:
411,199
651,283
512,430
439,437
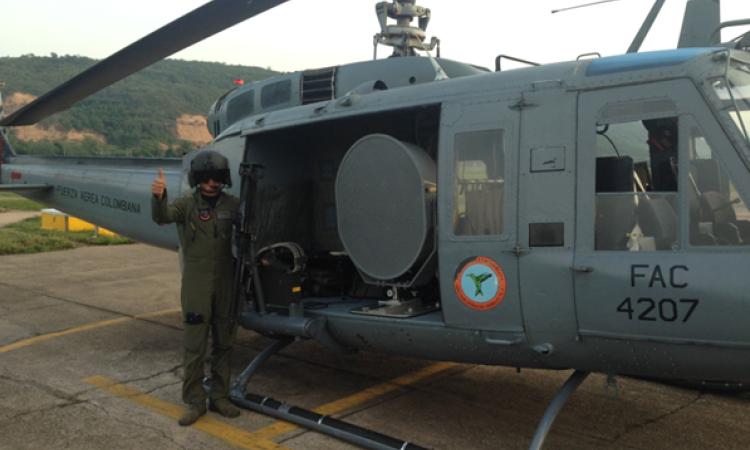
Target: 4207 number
668,310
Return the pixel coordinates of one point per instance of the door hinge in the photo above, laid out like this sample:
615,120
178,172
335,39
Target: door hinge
521,105
518,251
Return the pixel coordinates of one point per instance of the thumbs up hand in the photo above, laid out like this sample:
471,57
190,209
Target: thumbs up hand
159,185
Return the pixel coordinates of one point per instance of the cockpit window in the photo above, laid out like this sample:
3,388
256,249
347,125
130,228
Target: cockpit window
733,89
637,189
241,106
276,93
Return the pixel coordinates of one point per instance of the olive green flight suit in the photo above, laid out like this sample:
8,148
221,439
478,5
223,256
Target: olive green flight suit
207,278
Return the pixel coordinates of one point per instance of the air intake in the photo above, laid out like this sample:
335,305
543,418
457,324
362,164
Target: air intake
318,85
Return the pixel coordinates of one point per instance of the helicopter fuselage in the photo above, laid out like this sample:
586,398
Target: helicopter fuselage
563,228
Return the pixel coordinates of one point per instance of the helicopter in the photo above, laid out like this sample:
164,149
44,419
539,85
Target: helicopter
588,215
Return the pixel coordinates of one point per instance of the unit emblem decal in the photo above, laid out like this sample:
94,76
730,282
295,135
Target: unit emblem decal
204,214
480,284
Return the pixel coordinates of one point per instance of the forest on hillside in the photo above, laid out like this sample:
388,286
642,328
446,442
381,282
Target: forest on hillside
135,115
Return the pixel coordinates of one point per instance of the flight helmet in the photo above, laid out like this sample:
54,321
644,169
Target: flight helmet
209,164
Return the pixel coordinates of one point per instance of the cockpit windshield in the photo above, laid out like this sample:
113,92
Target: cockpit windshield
733,89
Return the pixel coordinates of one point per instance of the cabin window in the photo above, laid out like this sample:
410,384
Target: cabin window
240,107
637,189
276,93
479,183
718,216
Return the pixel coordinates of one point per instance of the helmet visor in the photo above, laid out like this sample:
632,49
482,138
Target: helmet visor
205,176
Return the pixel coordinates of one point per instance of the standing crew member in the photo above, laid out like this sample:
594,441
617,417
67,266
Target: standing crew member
204,224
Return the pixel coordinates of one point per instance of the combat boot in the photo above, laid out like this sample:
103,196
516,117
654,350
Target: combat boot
191,415
224,407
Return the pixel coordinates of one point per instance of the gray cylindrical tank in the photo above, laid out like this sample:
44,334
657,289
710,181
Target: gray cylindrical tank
383,198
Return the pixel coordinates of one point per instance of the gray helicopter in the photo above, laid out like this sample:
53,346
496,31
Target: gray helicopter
588,215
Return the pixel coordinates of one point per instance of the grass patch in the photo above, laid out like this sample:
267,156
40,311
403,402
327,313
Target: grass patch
20,205
27,236
10,201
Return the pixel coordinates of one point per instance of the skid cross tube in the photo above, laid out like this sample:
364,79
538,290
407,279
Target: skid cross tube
556,406
313,421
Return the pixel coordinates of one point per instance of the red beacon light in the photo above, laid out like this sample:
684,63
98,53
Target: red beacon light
238,82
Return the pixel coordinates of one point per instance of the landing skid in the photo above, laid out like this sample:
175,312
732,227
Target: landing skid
351,433
554,408
313,421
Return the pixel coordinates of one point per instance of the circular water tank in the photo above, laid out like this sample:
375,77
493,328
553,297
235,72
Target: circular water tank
383,197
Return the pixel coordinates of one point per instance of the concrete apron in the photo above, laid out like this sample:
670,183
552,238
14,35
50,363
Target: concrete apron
90,358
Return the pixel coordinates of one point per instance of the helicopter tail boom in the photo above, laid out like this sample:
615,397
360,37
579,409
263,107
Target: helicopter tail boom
113,193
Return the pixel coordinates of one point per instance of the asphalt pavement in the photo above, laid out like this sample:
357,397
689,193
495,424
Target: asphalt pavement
90,358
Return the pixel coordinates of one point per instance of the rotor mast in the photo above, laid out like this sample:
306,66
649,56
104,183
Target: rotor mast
403,37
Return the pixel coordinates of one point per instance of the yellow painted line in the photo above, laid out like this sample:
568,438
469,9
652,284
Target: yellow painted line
157,313
91,326
260,440
215,428
358,398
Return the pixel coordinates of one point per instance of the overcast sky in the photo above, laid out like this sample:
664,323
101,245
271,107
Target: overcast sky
302,34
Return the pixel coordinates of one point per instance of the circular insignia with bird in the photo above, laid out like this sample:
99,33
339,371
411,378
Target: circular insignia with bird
480,284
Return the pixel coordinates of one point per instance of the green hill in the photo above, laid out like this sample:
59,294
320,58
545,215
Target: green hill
135,115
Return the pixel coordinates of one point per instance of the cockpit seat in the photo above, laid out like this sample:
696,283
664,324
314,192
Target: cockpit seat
718,210
658,219
615,214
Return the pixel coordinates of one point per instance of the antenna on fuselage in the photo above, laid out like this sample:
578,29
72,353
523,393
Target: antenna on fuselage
645,28
702,17
582,6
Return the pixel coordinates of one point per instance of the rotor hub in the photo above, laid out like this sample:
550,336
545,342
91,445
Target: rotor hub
404,38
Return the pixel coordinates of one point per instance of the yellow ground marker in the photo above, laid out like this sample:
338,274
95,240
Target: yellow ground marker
91,326
53,219
215,428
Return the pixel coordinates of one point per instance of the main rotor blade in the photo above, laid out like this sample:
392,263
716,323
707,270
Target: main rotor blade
646,27
193,27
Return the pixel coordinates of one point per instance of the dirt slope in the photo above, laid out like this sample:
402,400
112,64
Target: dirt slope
189,128
193,129
14,102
